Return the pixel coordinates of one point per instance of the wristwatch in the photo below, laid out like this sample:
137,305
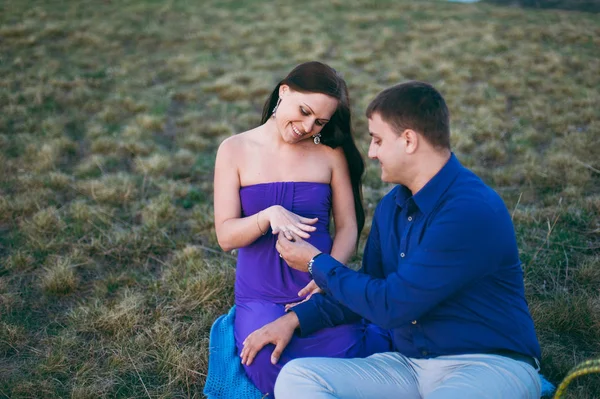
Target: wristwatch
310,262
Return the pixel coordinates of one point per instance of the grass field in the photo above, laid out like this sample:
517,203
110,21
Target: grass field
111,112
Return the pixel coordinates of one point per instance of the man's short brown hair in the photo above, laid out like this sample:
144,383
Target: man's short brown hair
417,106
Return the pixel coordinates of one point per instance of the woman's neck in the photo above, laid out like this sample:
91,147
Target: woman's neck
270,132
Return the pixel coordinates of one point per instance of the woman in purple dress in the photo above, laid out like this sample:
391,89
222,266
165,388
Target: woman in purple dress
290,174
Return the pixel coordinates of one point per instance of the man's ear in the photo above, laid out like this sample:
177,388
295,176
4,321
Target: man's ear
412,140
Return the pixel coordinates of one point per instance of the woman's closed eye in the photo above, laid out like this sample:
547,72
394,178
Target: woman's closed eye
307,113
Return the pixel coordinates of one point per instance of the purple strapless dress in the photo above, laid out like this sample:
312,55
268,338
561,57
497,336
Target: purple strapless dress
264,284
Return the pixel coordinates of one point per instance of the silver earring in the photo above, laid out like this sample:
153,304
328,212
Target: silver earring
276,105
317,138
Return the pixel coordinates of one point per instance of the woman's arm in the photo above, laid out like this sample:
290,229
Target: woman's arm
232,230
344,216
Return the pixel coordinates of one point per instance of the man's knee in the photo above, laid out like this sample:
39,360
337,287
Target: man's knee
294,374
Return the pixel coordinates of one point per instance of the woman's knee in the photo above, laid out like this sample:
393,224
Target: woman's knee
262,372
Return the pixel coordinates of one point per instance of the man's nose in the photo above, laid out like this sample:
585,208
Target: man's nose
372,154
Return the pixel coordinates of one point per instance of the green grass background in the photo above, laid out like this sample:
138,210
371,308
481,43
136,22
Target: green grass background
111,112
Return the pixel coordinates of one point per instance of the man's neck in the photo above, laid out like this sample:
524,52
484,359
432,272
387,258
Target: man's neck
427,166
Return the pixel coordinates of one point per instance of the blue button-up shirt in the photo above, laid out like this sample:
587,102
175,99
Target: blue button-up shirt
441,271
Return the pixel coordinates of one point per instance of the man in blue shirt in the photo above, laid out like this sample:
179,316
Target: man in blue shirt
441,272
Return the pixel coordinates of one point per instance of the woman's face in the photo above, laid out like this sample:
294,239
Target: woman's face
300,116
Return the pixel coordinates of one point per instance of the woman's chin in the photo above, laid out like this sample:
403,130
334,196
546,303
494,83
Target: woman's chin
293,138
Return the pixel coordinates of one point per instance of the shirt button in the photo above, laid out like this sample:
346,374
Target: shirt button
414,322
410,218
402,255
425,353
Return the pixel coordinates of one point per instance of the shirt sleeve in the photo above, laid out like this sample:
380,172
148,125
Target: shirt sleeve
462,243
322,311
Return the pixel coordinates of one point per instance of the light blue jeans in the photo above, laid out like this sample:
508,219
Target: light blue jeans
392,375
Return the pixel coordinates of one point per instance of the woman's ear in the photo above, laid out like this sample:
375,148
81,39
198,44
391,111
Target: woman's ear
284,90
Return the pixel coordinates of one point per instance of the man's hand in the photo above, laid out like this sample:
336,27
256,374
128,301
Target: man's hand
310,289
278,333
295,252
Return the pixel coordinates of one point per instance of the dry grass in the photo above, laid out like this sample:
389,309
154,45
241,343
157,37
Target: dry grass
111,112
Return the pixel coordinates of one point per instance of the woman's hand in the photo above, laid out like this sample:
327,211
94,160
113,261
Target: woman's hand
310,289
286,222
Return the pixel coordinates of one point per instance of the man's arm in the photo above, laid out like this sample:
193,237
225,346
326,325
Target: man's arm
322,311
464,242
319,311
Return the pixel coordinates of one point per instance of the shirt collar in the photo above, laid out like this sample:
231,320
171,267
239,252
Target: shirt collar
427,198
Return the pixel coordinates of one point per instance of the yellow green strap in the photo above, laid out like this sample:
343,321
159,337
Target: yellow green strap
587,367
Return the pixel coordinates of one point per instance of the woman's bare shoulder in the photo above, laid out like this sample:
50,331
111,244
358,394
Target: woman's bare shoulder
334,155
236,144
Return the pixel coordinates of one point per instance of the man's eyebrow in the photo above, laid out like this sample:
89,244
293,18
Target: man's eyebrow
373,134
311,110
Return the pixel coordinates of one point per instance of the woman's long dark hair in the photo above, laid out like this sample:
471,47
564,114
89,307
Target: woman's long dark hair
316,77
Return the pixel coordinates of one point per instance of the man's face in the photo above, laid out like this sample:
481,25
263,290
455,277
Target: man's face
388,148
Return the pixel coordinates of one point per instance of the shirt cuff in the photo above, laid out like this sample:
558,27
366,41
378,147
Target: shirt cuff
309,313
323,267
308,316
